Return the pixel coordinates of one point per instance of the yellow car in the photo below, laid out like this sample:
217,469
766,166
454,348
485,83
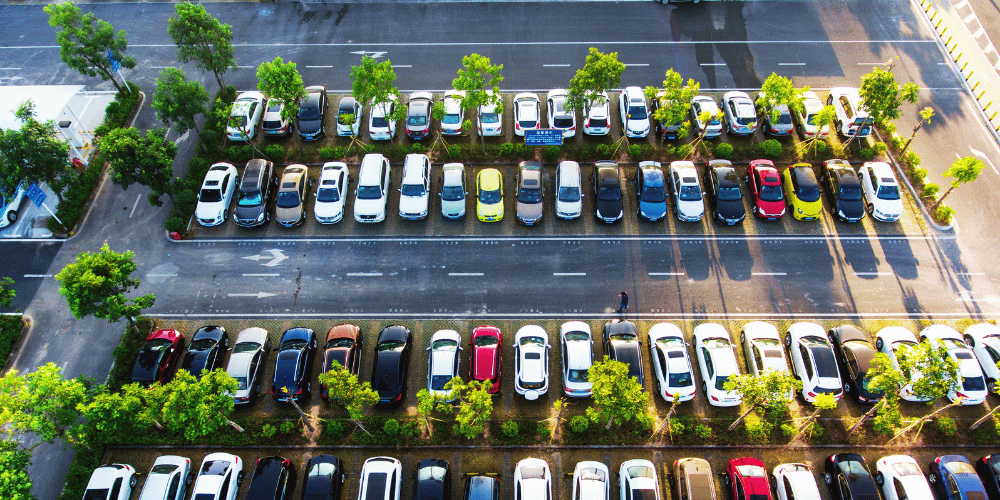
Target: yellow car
802,192
489,195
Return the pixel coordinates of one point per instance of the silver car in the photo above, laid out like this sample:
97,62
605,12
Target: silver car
453,191
530,193
246,364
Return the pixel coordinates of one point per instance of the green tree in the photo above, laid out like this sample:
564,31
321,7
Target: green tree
704,117
771,390
933,374
43,402
85,41
96,285
345,389
882,95
600,72
178,101
474,404
137,159
7,292
617,397
925,117
197,407
886,379
374,82
281,81
823,119
775,91
963,171
15,483
34,153
822,403
203,39
480,79
427,403
109,415
675,100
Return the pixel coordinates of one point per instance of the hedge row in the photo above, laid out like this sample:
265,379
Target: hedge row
10,331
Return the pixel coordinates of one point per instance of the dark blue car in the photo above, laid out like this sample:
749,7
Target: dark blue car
651,191
291,371
955,478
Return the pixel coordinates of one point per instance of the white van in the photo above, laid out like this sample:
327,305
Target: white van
373,189
569,194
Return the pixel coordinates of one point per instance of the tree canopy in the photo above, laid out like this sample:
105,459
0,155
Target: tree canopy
85,42
34,153
777,90
137,159
373,81
480,79
346,390
771,390
932,372
963,171
600,72
882,95
178,101
97,284
203,39
281,80
617,397
674,100
42,402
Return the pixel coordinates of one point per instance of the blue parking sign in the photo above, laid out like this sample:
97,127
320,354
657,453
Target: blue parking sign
543,137
35,194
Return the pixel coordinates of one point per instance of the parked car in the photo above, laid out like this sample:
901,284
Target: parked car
722,186
607,192
717,362
489,195
373,189
802,192
255,194
848,477
694,480
954,477
168,479
312,111
381,478
381,124
813,361
777,120
793,481
490,117
591,481
532,480
244,116
806,119
621,343
637,479
984,339
216,194
560,117
530,193
454,113
531,362
577,356
292,370
272,478
762,349
415,189
739,113
527,113
453,191
343,346
634,112
158,357
766,194
433,480
442,364
391,364
569,191
881,190
650,191
685,190
666,130
747,479
418,115
671,363
889,341
10,206
485,360
273,125
971,387
324,478
854,358
851,116
901,479
246,364
482,488
350,114
597,115
111,482
290,205
334,181
845,190
712,127
988,469
205,352
219,477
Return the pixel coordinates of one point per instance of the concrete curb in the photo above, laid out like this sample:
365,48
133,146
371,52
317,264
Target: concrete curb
561,447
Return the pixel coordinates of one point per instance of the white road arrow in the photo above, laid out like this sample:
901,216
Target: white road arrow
375,55
276,257
259,295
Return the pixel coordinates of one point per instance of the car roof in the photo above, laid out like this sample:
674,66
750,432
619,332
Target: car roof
397,333
804,175
489,179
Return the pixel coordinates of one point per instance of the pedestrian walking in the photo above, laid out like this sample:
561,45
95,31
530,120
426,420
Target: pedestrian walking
624,304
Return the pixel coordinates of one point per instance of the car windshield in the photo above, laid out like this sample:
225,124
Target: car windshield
811,119
771,193
809,193
569,194
444,345
417,121
439,381
452,193
201,345
451,119
730,194
290,344
562,122
681,379
640,471
342,117
690,193
720,382
328,195
590,474
486,341
579,376
973,384
888,192
850,193
907,469
490,197
532,341
210,195
369,192
751,471
288,199
237,121
784,119
215,468
431,473
529,195
577,336
157,345
636,112
622,337
341,343
654,195
245,347
242,381
413,190
250,199
309,111
490,118
609,193
379,122
390,345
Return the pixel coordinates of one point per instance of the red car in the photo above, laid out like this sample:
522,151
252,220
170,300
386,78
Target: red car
343,345
766,194
747,479
158,357
486,351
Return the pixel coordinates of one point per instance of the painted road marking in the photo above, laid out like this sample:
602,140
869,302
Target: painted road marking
161,275
576,315
769,274
402,65
364,275
875,273
555,65
792,64
465,274
640,65
318,67
261,275
136,205
259,295
574,238
569,274
666,274
37,275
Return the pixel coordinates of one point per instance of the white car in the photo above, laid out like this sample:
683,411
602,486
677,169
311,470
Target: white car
168,479
794,481
381,124
334,181
900,478
248,362
634,112
739,112
591,481
806,120
671,362
813,361
889,341
453,191
597,116
851,116
717,361
454,115
380,479
971,387
560,116
349,106
415,190
577,357
569,195
372,192
216,194
10,207
219,477
984,339
527,113
705,104
762,348
685,189
490,118
531,362
532,480
639,479
111,482
881,189
244,116
442,364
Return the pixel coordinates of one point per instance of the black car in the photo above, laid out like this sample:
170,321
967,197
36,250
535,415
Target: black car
324,478
207,348
254,194
392,356
988,469
854,358
291,371
608,192
621,343
848,477
312,110
845,190
724,193
271,479
433,480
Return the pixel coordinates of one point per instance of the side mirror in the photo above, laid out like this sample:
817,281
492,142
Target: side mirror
428,349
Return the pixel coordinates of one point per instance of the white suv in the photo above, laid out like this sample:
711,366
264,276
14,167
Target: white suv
597,116
415,190
219,478
851,115
560,117
634,112
380,479
531,362
381,124
740,115
685,189
813,361
881,189
527,113
717,361
568,191
373,189
111,482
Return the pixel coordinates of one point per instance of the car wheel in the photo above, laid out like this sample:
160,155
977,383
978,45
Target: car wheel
239,478
729,482
12,216
132,481
827,478
704,388
189,479
879,343
774,483
991,386
871,208
932,478
879,478
788,340
829,337
743,337
969,342
847,387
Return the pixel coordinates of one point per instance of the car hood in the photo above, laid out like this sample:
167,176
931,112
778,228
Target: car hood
248,213
287,215
609,209
412,204
653,210
442,362
209,210
731,209
851,209
310,126
691,208
329,209
453,206
638,125
369,207
772,207
529,211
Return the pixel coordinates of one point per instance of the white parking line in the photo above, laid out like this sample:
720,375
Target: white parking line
575,315
465,274
261,275
318,67
363,275
971,274
161,275
402,65
874,273
791,64
769,274
555,65
640,65
10,69
712,64
665,274
134,206
569,274
37,275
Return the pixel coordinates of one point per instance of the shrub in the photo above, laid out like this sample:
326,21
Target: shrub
931,190
391,427
453,151
821,147
75,197
335,428
275,152
635,151
703,432
268,431
771,149
80,469
946,425
866,153
543,430
912,159
523,150
10,330
125,352
197,166
326,153
467,125
510,429
672,150
551,153
897,142
579,424
186,200
944,214
920,174
789,430
602,151
287,426
684,150
724,150
507,149
175,224
418,148
240,153
117,113
757,429
677,426
879,148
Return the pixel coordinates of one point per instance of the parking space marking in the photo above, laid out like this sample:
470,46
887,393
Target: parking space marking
792,64
402,65
555,65
134,206
559,315
37,275
161,275
578,238
768,274
261,275
971,274
569,274
665,274
318,67
466,274
10,69
639,65
874,273
364,275
712,64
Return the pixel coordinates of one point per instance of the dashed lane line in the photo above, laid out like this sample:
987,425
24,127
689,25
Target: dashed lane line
261,275
37,275
364,275
569,274
769,274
